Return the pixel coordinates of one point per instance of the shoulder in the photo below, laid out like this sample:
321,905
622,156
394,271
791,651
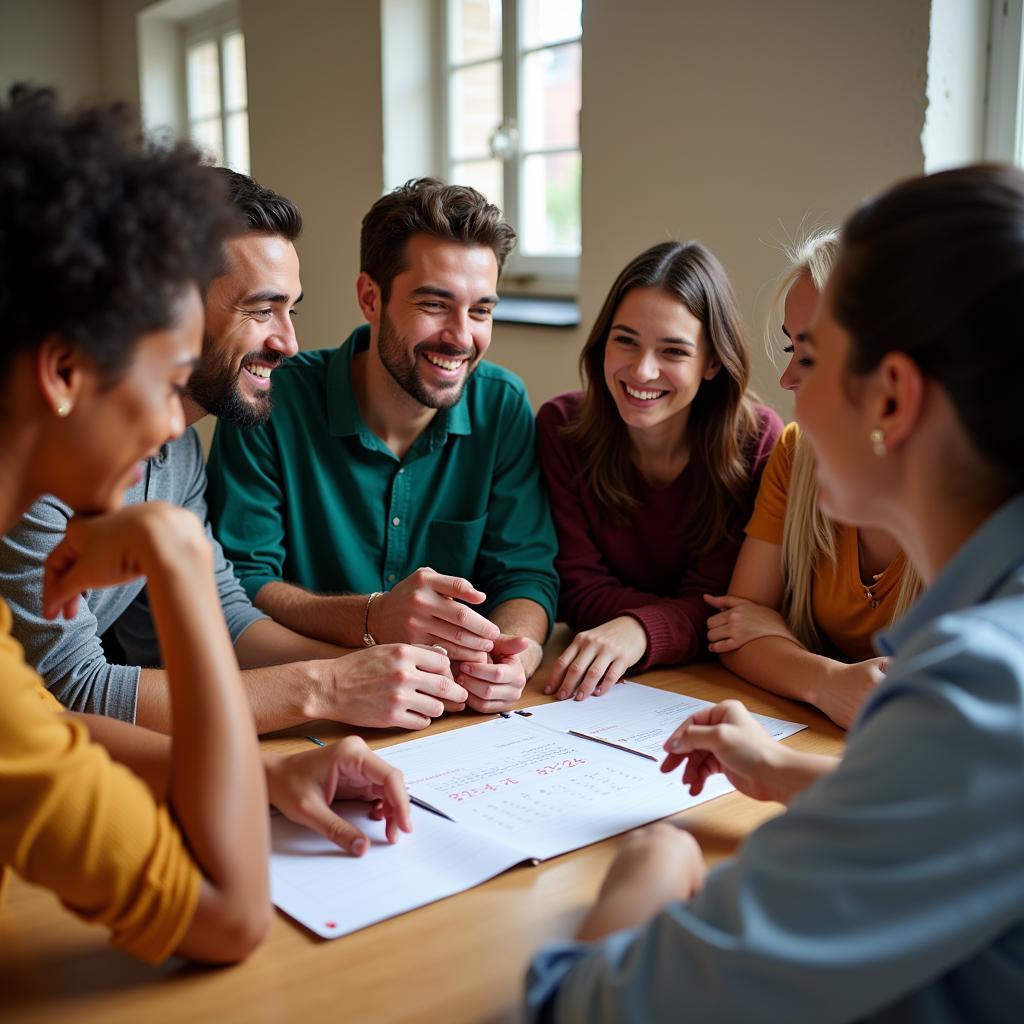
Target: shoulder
970,661
185,450
496,400
43,513
302,371
768,427
491,380
559,412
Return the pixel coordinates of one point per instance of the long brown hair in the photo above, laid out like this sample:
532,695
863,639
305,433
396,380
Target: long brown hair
723,426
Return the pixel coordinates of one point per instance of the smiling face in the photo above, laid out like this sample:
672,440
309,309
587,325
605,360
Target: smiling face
99,447
249,328
655,359
436,325
801,302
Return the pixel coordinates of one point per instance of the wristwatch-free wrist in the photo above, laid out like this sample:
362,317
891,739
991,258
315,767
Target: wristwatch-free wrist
368,640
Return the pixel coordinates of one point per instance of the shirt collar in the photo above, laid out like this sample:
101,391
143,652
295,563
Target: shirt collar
993,552
343,416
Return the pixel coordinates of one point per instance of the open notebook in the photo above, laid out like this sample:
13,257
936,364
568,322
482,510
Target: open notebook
513,789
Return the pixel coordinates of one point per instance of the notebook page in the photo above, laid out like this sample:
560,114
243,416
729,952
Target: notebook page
333,894
637,716
536,789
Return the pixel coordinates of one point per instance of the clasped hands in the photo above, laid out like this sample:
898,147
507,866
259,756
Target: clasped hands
431,610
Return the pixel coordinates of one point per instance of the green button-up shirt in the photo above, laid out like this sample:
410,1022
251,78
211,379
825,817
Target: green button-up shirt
314,497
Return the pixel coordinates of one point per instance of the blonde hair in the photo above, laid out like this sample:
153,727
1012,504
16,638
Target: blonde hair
808,535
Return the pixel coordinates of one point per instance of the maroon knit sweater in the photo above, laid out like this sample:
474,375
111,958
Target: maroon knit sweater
641,568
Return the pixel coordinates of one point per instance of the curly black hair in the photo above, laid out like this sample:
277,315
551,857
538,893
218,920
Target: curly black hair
100,230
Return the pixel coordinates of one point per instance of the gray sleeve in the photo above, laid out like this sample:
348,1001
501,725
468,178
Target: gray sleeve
67,654
239,612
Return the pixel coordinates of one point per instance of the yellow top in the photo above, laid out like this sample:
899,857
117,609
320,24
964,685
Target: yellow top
846,611
82,826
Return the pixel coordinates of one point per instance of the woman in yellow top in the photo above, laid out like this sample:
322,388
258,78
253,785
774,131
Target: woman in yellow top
104,247
807,593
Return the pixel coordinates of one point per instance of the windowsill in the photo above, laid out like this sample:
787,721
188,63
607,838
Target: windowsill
537,311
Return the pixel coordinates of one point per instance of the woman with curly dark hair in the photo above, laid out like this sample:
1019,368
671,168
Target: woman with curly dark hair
105,246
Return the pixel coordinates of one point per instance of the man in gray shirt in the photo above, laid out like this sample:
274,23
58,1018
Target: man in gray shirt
290,678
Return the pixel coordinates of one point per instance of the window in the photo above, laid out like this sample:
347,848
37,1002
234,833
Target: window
1004,121
216,100
511,97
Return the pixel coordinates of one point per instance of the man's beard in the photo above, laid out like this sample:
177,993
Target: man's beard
215,386
394,354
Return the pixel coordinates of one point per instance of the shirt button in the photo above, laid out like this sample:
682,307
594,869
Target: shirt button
391,577
395,521
401,471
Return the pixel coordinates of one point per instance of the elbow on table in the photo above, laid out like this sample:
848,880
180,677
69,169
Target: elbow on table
226,931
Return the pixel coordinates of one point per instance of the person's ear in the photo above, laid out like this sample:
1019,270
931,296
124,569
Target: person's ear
711,370
60,373
369,298
898,399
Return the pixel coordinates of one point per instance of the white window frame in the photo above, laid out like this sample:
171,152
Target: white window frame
214,26
527,273
1004,116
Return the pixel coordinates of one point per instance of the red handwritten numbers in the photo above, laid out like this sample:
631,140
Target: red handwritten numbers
560,766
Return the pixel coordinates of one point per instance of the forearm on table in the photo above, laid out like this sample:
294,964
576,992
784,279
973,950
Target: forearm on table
267,642
783,667
333,618
279,696
146,753
520,616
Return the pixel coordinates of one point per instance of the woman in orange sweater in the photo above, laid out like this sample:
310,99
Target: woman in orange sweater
104,247
807,593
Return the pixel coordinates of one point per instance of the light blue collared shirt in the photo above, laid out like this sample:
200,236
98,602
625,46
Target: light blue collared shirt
892,890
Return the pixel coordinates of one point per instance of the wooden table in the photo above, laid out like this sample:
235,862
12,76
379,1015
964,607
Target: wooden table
461,959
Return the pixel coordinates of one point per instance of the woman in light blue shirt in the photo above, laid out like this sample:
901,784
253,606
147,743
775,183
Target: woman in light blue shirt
893,887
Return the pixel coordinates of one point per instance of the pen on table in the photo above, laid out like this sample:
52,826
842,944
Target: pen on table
609,743
313,739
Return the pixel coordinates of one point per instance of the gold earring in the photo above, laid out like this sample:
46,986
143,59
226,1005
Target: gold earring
877,439
63,408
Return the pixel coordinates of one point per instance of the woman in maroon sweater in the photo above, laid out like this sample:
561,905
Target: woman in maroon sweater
652,469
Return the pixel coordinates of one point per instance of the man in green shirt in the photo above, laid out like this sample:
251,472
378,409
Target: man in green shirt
394,496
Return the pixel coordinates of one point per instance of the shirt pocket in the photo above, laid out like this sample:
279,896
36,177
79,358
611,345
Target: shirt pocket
453,546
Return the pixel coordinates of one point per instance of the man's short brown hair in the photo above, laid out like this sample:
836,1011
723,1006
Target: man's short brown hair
427,206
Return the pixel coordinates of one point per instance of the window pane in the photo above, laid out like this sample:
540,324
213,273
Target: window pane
203,80
207,136
483,175
238,142
551,205
474,30
551,97
474,109
234,71
550,21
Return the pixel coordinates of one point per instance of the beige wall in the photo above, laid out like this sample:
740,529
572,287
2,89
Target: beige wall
51,42
317,137
738,122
